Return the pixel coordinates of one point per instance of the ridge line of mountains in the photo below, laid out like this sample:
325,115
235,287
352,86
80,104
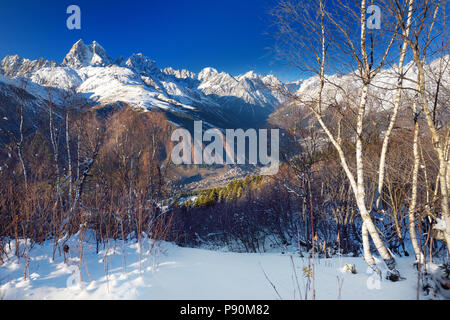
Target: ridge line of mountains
94,78
88,76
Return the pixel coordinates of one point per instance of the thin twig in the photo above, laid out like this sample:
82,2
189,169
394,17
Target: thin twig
271,283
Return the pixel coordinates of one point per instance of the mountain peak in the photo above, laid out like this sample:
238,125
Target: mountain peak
81,55
207,73
250,74
141,64
79,43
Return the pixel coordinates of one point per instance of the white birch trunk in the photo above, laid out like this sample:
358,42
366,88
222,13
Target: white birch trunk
360,194
357,184
413,204
396,108
438,147
437,141
69,159
366,247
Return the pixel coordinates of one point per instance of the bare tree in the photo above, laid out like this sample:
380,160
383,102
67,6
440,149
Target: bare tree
329,21
20,141
420,41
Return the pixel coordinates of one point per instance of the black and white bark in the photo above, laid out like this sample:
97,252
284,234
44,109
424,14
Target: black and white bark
419,42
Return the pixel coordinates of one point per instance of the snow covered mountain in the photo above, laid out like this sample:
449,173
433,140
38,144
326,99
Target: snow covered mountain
382,91
91,77
90,74
83,56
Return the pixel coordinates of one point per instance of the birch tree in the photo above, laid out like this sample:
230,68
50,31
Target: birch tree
413,205
20,141
420,39
396,107
359,52
54,140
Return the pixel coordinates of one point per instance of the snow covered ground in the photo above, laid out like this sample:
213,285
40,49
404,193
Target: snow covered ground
172,272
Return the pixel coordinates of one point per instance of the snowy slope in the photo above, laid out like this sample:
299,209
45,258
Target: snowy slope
172,272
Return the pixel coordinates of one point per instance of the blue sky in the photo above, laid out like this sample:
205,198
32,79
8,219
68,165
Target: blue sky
229,35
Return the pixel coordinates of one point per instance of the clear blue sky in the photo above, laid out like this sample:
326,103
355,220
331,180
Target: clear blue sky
229,35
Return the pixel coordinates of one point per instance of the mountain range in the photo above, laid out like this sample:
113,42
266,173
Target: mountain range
88,76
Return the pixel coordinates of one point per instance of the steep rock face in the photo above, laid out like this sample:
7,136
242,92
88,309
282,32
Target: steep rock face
179,74
82,55
141,65
15,66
